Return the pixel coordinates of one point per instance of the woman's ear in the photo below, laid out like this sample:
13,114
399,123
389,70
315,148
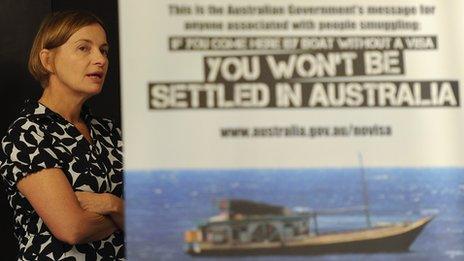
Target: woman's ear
46,58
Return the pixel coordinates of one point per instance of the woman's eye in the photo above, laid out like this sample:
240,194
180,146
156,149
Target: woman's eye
104,52
83,48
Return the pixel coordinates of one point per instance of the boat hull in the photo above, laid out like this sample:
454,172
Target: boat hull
396,238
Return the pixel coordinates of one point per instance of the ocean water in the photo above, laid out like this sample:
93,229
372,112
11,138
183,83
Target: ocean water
161,205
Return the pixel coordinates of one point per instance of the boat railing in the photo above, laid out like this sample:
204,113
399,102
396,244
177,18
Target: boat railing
313,215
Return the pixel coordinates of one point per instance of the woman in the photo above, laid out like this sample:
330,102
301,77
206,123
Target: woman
62,166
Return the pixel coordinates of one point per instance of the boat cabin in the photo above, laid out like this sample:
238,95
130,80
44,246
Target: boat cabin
244,221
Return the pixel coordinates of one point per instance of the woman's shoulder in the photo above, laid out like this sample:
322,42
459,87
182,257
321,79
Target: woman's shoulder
106,122
106,127
30,119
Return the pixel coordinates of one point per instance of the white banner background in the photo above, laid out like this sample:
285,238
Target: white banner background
191,138
177,161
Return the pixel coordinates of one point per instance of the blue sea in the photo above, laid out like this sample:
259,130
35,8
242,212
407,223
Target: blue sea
162,204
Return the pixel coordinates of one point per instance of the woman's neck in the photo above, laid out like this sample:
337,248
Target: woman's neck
59,101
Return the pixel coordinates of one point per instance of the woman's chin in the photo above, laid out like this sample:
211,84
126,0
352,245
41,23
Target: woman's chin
90,90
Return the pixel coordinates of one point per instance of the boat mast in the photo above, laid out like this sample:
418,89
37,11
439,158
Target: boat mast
365,194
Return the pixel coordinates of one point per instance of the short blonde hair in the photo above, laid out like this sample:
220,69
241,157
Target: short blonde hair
54,31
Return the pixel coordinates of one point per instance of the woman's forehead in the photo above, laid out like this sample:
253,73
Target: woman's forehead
91,33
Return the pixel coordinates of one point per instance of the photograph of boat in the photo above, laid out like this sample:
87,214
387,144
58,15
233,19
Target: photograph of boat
277,215
248,228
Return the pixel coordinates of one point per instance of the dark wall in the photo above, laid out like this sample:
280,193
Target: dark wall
19,22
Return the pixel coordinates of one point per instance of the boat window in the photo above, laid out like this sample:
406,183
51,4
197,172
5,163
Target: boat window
217,236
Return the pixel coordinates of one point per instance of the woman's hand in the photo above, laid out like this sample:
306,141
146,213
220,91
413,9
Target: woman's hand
104,204
93,202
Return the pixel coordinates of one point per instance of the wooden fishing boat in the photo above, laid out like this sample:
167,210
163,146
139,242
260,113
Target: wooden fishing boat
252,228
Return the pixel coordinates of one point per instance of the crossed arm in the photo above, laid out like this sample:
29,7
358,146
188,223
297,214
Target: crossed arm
105,204
74,218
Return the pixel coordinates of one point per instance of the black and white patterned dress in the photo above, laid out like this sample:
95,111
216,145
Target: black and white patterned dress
41,138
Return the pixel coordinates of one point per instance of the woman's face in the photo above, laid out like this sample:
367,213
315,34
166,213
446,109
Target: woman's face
80,64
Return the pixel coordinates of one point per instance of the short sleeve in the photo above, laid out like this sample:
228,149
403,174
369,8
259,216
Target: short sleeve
27,149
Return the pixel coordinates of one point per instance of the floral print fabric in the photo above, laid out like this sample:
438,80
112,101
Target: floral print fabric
40,139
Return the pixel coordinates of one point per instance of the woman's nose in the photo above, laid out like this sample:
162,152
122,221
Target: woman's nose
100,58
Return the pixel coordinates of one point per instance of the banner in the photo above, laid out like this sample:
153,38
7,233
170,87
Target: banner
273,129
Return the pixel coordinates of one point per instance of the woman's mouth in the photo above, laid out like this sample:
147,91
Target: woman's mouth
96,76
